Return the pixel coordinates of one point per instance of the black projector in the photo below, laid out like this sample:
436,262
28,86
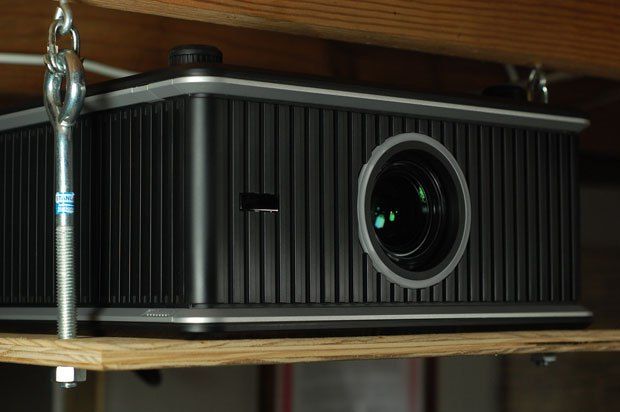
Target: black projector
217,199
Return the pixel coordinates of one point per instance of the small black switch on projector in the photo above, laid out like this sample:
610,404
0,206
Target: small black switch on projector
258,202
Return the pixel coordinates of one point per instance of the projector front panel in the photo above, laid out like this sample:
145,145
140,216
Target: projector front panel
523,245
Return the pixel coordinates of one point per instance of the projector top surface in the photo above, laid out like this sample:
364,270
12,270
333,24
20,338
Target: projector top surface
226,80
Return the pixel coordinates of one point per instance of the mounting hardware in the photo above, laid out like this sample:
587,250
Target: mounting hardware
68,376
543,359
64,66
537,90
151,377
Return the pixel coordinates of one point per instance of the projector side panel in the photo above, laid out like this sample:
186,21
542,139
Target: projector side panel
129,184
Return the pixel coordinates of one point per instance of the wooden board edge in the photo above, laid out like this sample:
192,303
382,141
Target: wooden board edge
110,354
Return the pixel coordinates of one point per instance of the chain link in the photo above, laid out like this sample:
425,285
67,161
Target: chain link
63,12
63,64
61,25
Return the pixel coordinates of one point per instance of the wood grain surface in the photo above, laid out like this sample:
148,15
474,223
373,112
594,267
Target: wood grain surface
140,42
135,353
575,35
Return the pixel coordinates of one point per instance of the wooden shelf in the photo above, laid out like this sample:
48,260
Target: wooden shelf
103,354
573,35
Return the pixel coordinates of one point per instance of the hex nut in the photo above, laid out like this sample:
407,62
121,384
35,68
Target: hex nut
69,374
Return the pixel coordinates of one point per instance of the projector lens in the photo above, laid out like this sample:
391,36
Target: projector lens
401,216
413,210
407,210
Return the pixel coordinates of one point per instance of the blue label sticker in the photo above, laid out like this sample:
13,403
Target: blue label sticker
64,203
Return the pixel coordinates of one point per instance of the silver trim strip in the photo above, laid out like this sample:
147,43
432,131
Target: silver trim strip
232,316
336,318
305,95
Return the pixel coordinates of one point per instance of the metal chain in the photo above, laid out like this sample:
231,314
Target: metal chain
61,25
64,12
63,113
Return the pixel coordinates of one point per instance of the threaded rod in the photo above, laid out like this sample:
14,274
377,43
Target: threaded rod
65,283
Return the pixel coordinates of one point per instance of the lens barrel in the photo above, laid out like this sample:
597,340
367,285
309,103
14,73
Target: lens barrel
409,212
413,210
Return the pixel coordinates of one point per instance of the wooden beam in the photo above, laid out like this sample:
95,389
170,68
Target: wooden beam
134,353
140,42
581,36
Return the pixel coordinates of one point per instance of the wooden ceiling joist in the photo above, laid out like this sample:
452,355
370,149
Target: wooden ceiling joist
580,36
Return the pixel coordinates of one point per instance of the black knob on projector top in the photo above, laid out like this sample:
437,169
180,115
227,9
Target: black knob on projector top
194,53
506,91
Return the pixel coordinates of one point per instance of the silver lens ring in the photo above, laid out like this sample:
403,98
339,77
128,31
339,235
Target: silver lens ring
381,156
